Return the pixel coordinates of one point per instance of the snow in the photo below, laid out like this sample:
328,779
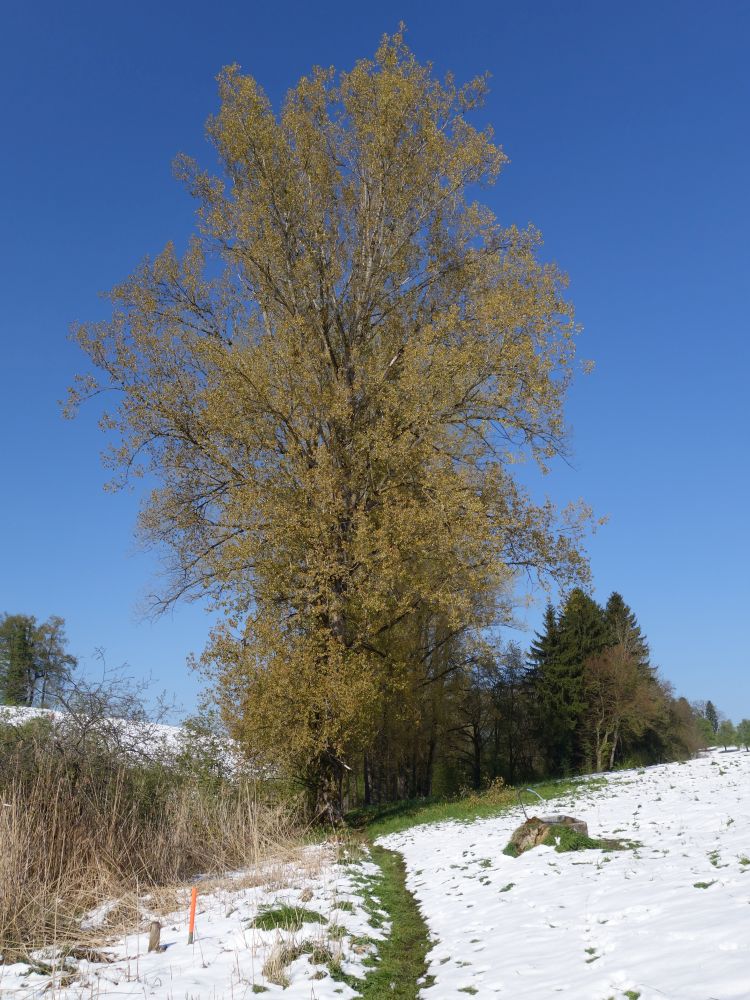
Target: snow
592,925
588,925
228,954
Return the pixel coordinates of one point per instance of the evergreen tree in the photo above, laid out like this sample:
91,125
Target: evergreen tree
544,647
713,716
17,659
557,660
544,687
624,630
583,633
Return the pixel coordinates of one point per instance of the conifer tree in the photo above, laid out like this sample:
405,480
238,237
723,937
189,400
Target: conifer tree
712,716
582,634
624,630
557,662
546,691
544,647
17,659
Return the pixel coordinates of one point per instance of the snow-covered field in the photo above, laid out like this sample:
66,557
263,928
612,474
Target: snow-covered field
670,919
230,958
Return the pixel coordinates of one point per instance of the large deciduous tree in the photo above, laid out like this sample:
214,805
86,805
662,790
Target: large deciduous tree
620,702
331,387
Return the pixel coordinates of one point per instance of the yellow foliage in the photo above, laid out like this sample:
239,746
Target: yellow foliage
332,386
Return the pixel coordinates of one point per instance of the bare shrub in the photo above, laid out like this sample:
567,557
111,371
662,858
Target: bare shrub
81,827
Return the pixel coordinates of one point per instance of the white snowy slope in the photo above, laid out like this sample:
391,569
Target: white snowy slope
667,921
670,919
229,958
159,736
156,740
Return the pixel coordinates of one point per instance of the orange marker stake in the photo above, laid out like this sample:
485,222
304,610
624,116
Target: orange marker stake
191,923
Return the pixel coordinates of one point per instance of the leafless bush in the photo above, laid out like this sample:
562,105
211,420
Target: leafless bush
82,821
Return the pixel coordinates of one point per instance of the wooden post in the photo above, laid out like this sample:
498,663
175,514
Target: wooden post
154,934
191,923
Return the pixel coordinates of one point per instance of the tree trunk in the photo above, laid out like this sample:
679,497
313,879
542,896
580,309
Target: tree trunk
477,761
615,739
326,787
429,768
368,787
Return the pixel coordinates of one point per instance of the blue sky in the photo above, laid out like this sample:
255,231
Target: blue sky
627,130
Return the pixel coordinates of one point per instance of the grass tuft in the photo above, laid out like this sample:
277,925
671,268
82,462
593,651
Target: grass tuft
564,839
286,918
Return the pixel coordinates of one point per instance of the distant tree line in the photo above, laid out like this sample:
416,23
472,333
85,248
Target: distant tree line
717,730
585,697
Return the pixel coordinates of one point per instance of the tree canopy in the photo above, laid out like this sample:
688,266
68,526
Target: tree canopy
34,662
332,386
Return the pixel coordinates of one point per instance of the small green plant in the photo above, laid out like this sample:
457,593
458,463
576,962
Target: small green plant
287,918
320,954
565,838
704,885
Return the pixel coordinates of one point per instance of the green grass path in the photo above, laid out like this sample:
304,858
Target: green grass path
402,955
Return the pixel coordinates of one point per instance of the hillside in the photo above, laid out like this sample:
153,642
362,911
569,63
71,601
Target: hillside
667,917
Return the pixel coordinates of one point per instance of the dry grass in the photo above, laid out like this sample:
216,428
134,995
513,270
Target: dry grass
78,833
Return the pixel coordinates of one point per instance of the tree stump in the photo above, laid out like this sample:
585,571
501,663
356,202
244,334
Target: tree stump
535,831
